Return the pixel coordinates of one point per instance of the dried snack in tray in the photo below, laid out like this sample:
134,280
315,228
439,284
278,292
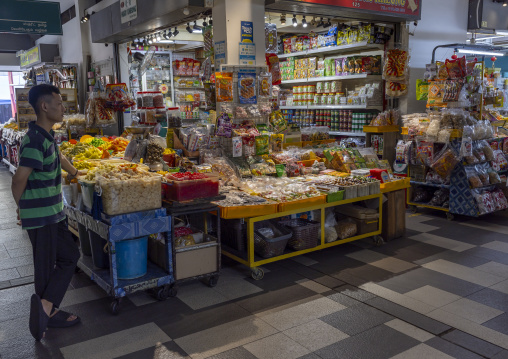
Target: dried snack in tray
272,61
396,65
247,88
224,86
445,162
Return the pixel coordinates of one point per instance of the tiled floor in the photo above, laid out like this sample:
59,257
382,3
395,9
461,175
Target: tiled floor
439,292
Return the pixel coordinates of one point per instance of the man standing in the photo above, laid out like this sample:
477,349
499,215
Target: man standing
37,190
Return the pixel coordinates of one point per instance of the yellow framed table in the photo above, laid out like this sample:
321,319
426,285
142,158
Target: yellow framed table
254,263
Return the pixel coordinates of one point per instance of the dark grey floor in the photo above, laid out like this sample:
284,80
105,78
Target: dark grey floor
439,292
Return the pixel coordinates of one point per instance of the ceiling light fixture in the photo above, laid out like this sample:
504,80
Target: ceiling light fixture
186,11
188,28
176,32
313,21
321,23
328,24
304,22
150,40
205,24
283,19
197,28
480,52
295,21
159,37
211,21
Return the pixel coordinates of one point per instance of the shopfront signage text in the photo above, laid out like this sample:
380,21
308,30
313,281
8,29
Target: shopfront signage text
31,17
405,8
128,10
30,57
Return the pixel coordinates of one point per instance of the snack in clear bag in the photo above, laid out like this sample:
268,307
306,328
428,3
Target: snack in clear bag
240,112
396,89
396,65
484,201
103,116
479,154
253,110
456,68
445,162
483,175
494,177
421,195
499,199
90,110
224,86
473,177
247,88
433,129
265,84
272,60
118,97
276,142
224,126
278,121
270,38
439,197
346,229
262,145
500,163
444,135
487,150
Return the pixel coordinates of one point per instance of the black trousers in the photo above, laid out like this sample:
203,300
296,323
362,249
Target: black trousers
55,258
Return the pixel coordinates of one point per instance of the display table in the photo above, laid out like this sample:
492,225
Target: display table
253,261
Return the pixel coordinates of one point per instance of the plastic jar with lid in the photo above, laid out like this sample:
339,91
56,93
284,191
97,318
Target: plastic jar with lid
150,116
160,115
142,115
158,99
147,99
139,99
174,119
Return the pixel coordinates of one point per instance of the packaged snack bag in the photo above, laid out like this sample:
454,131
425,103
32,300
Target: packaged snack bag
272,61
270,38
396,65
265,84
224,86
247,88
262,145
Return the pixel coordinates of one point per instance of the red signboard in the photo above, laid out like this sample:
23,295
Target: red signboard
405,8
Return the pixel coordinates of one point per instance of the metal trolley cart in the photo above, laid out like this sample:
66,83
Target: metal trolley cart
123,227
202,260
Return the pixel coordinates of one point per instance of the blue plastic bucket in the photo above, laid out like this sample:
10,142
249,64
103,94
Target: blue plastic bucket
131,258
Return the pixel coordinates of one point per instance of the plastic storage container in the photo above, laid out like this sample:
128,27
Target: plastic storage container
126,196
131,258
100,257
158,99
174,119
188,190
150,118
139,99
147,99
87,190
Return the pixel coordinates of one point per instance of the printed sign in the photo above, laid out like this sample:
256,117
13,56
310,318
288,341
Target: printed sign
31,17
220,53
247,31
128,10
247,53
30,57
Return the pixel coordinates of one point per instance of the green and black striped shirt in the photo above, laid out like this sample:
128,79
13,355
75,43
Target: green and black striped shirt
41,203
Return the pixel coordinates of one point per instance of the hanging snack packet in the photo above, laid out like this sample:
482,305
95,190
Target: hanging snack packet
224,86
445,162
265,85
276,142
270,38
224,127
456,68
278,121
247,88
262,145
396,65
272,61
422,90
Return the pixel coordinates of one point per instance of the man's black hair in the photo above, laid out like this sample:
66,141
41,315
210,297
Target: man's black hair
37,94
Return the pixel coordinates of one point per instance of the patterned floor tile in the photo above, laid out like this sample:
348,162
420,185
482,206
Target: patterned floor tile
329,281
356,319
407,315
306,261
443,242
8,274
491,298
273,346
236,287
82,295
463,272
422,351
11,263
117,344
236,353
197,296
314,286
18,252
462,258
141,298
451,349
497,246
26,270
501,355
495,268
21,281
380,342
168,350
471,310
300,314
343,299
410,330
490,254
433,296
225,337
487,227
315,335
355,293
471,343
501,287
4,254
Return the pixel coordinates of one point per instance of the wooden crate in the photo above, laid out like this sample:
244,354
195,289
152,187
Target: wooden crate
394,215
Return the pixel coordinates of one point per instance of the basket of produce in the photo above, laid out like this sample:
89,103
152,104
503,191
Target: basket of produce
270,239
305,233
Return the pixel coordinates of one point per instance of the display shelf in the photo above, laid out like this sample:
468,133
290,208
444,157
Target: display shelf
332,78
293,107
430,184
381,129
364,45
331,107
395,185
425,205
354,134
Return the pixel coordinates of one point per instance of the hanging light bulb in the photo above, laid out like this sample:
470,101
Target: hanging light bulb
304,22
196,26
150,40
159,37
210,21
295,21
205,24
283,19
188,28
176,32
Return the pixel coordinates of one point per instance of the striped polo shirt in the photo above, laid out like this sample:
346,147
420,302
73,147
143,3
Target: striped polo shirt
41,203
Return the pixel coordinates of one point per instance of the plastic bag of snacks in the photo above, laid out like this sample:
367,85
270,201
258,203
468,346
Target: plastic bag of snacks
396,89
103,116
270,38
396,65
485,201
456,68
262,145
278,121
499,163
346,229
224,126
224,86
439,197
118,97
499,198
272,60
265,85
247,87
473,178
90,110
445,162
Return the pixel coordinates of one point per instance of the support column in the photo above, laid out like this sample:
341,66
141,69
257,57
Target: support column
227,17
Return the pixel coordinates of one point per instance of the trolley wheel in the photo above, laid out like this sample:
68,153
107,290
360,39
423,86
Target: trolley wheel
450,216
115,306
172,291
213,280
161,293
257,274
378,240
413,209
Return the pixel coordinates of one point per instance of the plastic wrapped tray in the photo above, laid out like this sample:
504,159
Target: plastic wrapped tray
134,195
